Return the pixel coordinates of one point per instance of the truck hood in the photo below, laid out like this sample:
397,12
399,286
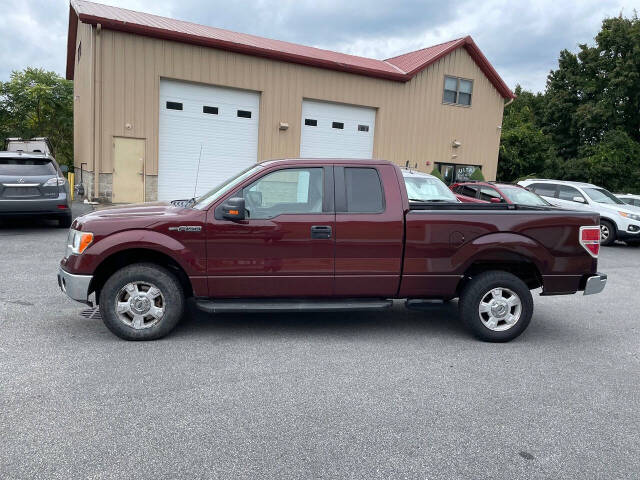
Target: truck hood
137,215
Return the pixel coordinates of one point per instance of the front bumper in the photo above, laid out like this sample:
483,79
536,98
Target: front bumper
75,286
595,284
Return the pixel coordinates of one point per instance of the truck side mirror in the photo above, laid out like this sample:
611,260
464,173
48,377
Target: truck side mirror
233,209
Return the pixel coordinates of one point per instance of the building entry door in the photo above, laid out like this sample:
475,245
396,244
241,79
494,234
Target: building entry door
128,170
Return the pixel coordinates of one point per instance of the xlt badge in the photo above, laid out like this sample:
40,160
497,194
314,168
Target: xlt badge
186,228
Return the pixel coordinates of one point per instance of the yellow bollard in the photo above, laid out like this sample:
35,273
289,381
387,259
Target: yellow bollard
71,177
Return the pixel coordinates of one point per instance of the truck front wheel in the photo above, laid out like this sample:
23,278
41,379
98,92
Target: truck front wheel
142,301
496,306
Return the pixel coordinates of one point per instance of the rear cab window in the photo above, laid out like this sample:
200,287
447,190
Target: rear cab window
362,191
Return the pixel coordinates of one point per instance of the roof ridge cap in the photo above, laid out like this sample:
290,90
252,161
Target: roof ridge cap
427,48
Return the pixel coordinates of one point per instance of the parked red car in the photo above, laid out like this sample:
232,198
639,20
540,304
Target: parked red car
489,192
326,235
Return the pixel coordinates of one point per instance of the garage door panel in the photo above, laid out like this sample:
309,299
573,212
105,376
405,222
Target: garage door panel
229,143
323,140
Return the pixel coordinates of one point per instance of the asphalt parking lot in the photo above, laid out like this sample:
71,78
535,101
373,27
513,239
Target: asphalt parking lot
399,394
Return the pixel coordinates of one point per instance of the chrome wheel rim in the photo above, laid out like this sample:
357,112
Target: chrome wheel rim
500,309
140,305
604,232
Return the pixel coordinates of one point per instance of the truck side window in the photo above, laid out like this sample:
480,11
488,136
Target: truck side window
363,190
286,191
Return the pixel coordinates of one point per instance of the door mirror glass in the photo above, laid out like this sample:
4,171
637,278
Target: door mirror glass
579,199
64,168
233,209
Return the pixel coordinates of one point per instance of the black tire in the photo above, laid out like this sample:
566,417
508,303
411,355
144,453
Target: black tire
65,222
478,289
171,298
607,233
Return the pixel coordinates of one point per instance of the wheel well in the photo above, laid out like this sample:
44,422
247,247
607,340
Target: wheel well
121,259
614,224
524,270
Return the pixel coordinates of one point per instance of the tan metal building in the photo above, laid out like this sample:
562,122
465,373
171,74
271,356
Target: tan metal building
161,102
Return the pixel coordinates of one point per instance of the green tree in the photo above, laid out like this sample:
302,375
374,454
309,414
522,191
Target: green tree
524,148
613,163
37,103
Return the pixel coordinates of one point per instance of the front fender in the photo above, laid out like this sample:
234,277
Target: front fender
189,258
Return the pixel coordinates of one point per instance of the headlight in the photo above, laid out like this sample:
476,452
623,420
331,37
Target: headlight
53,182
77,242
631,216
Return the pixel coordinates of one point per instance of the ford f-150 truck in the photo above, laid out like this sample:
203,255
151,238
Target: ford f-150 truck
325,235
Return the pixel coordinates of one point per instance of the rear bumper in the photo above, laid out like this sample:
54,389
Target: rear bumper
75,286
35,206
595,284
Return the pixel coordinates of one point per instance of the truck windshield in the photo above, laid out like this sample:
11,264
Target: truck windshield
26,166
212,195
600,195
428,189
522,196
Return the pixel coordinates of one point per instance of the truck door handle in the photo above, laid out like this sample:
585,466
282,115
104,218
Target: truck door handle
321,231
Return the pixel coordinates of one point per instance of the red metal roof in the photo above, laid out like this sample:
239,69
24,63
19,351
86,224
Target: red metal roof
402,68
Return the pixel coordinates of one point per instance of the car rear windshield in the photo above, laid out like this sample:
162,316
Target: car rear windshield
26,166
522,196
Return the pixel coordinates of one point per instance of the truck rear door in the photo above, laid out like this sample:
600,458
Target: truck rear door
369,231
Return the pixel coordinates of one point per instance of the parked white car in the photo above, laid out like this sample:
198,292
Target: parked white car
617,219
630,199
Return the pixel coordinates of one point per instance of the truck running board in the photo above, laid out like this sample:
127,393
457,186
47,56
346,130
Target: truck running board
291,305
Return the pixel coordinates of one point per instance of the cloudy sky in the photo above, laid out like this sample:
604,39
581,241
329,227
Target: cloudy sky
522,39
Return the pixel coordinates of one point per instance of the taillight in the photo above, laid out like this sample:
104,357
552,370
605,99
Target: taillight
590,240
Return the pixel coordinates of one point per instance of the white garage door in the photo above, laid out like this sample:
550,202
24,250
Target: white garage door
223,122
333,130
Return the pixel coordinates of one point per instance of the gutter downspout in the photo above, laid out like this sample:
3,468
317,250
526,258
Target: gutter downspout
97,113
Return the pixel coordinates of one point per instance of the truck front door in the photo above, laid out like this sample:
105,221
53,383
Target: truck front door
285,245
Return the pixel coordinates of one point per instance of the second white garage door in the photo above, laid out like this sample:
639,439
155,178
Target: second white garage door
335,130
223,122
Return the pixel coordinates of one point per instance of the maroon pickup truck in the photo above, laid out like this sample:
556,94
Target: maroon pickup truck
325,235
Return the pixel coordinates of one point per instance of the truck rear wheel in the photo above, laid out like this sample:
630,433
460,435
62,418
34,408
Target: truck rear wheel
142,301
496,306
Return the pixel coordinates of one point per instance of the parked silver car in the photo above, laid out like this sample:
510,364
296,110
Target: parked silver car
33,184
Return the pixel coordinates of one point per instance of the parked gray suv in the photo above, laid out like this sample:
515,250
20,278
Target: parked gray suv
33,184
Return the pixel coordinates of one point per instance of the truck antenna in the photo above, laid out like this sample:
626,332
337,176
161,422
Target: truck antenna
197,172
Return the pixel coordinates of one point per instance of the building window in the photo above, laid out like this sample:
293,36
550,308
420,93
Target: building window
244,113
457,91
210,110
363,128
338,125
174,106
310,122
452,172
